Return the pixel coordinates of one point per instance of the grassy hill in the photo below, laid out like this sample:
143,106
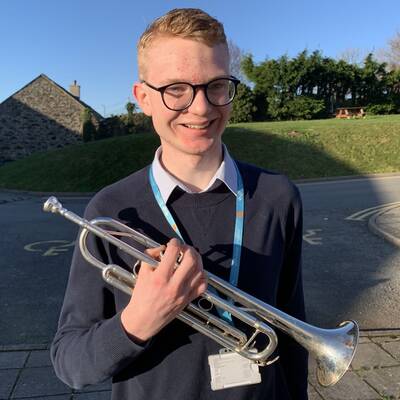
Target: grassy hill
300,149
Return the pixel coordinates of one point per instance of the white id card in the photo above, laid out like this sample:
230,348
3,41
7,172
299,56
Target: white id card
230,369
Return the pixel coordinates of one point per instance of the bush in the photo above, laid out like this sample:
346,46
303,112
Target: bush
142,123
112,126
125,124
88,131
299,107
303,107
382,109
243,107
88,128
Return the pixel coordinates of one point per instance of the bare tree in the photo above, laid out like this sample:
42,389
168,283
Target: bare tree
391,54
353,56
394,51
236,56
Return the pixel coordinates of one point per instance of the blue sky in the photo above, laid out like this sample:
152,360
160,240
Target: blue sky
93,41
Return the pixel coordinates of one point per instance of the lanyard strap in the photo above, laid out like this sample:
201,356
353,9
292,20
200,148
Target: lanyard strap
239,224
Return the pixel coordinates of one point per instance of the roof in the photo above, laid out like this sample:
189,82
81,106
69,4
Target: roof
43,76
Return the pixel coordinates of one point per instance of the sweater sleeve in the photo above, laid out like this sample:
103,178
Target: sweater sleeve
90,345
293,357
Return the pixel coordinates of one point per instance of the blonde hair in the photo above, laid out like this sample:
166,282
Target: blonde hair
186,23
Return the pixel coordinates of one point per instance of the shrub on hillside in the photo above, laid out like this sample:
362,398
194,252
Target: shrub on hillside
243,107
382,109
142,123
299,107
88,128
303,107
125,124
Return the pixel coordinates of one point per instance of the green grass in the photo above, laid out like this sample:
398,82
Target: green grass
300,149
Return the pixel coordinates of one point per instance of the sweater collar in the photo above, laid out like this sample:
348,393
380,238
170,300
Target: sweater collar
167,183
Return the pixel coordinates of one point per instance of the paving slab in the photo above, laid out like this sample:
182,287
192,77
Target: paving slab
383,339
393,348
371,355
8,377
40,381
39,358
13,359
312,394
386,381
364,339
350,387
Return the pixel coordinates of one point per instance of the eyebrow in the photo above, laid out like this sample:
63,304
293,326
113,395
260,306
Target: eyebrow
170,81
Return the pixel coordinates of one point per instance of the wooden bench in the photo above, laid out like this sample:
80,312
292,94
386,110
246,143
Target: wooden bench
350,112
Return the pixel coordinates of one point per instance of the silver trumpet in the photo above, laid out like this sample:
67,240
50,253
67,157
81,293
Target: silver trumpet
333,349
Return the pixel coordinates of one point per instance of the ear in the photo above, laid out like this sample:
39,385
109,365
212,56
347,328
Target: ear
142,96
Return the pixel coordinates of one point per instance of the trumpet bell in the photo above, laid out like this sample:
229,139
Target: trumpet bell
335,352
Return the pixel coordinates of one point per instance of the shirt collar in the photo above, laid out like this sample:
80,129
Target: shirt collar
167,183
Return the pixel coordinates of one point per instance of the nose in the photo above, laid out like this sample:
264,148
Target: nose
200,104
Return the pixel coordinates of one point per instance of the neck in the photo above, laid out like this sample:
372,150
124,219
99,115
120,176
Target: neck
194,170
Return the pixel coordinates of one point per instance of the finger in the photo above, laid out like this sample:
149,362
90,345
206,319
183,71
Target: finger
167,264
190,265
199,279
153,253
199,287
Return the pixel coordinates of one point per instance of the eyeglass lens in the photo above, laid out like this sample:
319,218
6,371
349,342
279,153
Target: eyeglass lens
180,95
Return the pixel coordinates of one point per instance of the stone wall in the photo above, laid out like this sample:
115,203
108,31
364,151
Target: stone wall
39,117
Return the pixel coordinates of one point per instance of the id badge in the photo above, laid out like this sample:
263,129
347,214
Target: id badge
229,369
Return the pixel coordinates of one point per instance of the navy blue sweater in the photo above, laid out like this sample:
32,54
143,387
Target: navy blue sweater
91,345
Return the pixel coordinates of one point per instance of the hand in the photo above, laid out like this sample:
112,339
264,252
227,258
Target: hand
161,293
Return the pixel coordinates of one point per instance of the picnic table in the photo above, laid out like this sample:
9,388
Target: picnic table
350,112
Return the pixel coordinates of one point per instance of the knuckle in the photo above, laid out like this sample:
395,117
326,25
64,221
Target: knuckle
158,281
190,258
172,292
181,301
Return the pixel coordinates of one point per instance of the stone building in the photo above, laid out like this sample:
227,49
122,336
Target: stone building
41,116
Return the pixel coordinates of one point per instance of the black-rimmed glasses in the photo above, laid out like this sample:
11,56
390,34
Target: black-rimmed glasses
180,95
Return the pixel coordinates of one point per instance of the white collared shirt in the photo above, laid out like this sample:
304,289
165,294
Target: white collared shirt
167,183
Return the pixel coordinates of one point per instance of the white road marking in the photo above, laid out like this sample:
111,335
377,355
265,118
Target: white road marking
50,247
311,238
367,212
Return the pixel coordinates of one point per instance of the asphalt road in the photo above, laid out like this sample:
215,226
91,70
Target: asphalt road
348,271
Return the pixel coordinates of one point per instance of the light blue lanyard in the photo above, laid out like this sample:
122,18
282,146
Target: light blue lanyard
239,223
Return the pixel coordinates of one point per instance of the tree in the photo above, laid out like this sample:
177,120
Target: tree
352,55
393,53
243,107
373,75
130,123
313,86
236,55
130,107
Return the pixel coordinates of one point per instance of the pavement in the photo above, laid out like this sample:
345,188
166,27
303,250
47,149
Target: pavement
26,371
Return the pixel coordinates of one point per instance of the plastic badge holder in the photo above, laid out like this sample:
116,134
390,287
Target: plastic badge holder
230,369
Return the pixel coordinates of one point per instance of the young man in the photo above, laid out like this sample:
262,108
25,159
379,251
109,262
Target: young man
243,223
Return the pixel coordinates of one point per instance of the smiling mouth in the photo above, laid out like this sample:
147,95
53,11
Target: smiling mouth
198,126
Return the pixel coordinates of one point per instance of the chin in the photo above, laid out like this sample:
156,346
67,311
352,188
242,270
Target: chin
200,147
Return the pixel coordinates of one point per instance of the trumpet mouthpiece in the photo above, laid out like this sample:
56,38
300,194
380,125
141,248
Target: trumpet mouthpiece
52,205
